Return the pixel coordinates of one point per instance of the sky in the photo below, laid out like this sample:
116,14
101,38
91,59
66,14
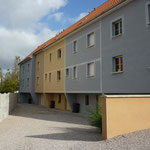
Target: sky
26,24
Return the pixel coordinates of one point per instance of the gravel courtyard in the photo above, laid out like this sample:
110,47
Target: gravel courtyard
32,127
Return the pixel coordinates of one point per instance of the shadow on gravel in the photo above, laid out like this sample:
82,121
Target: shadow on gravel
72,134
42,113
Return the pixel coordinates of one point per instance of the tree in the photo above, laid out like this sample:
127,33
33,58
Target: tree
11,81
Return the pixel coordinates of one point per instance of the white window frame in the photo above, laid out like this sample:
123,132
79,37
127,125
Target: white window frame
58,79
50,57
50,76
120,19
74,76
87,39
114,64
73,50
87,70
59,55
67,75
147,13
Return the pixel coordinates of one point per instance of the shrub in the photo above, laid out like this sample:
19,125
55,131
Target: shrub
95,116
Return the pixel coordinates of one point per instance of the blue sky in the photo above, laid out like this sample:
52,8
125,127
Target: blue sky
73,9
26,24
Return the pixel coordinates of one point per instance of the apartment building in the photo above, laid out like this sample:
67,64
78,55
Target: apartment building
106,52
49,76
27,81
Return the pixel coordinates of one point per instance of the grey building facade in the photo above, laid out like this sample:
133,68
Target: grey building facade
27,81
119,55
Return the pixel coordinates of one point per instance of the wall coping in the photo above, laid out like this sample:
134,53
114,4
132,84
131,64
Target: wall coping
127,96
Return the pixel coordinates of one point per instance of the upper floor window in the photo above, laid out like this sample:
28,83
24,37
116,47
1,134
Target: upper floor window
38,65
148,13
74,46
117,27
74,72
59,53
23,69
91,69
67,72
118,64
87,100
90,39
46,76
22,83
58,75
28,67
50,57
49,77
27,82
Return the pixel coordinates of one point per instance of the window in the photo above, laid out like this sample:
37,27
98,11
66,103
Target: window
27,82
59,53
49,77
90,39
50,57
118,64
74,72
38,80
67,72
22,83
149,13
74,46
28,67
58,75
59,99
117,27
38,65
46,76
91,69
87,100
23,70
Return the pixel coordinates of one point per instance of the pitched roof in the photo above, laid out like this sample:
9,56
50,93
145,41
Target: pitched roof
97,11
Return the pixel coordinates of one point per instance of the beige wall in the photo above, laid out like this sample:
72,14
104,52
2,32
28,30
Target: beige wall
56,64
39,72
124,115
44,99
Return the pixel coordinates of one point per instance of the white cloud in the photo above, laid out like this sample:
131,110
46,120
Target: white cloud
21,29
57,16
79,17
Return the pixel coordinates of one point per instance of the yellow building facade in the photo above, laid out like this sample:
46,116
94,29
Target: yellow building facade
49,75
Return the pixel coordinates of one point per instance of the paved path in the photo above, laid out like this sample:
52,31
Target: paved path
33,127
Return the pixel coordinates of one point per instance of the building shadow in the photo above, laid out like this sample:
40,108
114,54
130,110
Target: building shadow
71,134
42,113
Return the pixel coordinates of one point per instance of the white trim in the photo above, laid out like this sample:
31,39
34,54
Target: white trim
73,72
87,76
147,14
126,96
101,70
84,63
111,27
87,34
74,52
83,92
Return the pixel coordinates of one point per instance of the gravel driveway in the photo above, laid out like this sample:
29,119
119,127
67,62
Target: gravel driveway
32,127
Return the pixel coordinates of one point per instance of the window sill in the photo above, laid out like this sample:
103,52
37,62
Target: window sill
90,77
74,52
117,72
90,46
115,36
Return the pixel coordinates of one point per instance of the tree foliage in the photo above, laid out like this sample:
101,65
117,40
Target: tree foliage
10,81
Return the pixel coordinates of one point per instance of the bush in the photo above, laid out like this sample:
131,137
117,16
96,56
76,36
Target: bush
95,116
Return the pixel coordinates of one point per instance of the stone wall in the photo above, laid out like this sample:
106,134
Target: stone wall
8,103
